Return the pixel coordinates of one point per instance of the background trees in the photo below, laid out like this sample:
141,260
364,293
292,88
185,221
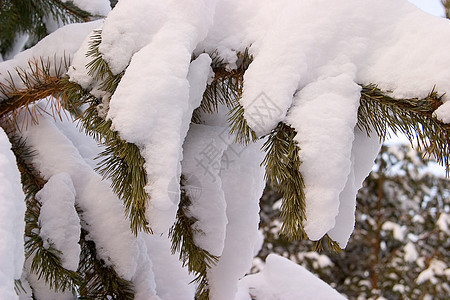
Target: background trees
400,245
175,101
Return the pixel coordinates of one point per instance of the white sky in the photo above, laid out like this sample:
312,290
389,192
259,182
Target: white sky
433,7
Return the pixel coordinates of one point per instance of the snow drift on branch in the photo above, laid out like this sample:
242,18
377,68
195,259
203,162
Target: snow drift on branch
12,226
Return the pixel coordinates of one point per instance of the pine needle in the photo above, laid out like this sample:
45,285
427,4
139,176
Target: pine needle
41,80
412,117
197,260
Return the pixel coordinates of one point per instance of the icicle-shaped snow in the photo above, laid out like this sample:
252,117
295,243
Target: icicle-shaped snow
144,279
364,151
151,107
203,150
172,280
12,224
243,183
324,115
58,219
102,211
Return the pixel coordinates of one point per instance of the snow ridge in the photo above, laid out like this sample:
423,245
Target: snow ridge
58,219
103,213
12,225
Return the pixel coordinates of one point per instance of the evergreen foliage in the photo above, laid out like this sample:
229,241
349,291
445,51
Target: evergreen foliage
197,260
377,261
19,17
45,261
93,279
98,280
412,117
121,161
123,164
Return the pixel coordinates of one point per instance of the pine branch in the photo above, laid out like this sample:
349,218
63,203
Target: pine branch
29,17
100,281
68,12
330,245
282,165
124,164
195,258
46,261
226,88
98,67
42,79
121,161
412,117
239,127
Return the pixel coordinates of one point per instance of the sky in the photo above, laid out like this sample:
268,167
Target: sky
433,7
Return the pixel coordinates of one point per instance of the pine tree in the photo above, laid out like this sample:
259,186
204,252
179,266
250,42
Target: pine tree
152,179
400,244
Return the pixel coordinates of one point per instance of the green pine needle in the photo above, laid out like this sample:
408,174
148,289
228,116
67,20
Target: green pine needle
282,165
46,261
412,117
197,260
99,280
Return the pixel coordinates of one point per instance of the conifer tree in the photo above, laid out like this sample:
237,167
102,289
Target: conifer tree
400,244
151,124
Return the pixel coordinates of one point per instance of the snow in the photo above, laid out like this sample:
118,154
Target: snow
283,279
442,113
59,222
102,212
122,37
240,171
309,60
172,280
95,7
86,145
12,225
144,284
325,136
436,267
397,230
443,222
41,290
360,54
411,254
202,155
64,42
151,107
310,81
364,151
